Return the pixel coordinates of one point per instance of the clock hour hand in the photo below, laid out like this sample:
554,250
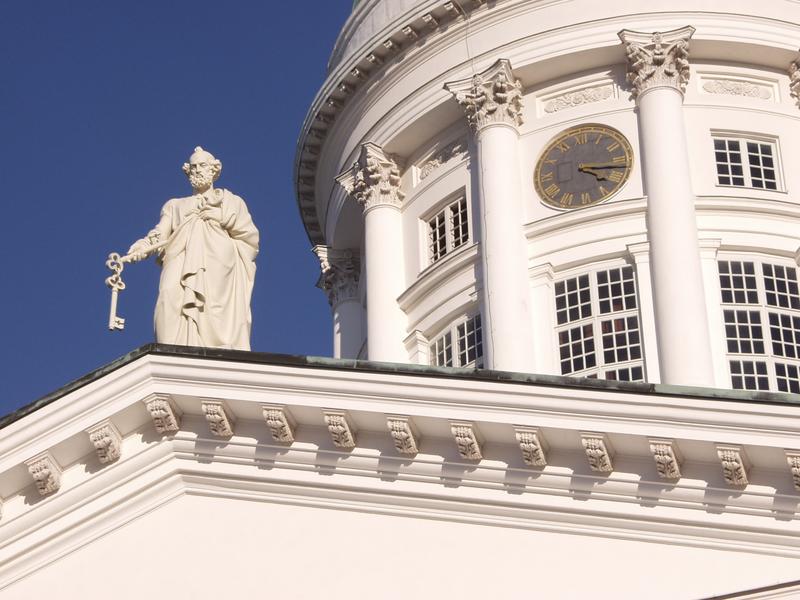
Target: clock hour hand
592,168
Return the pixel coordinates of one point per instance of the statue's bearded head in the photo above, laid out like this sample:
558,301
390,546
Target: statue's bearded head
203,170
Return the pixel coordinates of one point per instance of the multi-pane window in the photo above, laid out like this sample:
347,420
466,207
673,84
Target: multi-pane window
598,325
448,229
746,163
468,348
761,309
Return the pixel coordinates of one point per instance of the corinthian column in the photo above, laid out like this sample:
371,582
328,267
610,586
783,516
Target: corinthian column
341,270
492,101
374,182
658,70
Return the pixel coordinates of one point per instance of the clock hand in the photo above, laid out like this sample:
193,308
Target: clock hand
582,166
598,174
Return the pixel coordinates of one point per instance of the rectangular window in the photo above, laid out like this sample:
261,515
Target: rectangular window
598,325
442,350
746,163
761,311
448,230
468,351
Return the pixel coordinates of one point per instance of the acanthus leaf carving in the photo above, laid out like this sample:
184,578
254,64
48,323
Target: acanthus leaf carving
579,98
532,445
657,59
341,271
491,97
219,417
598,452
166,417
734,465
667,458
794,80
467,441
455,149
403,435
280,423
793,458
374,179
107,441
341,430
46,473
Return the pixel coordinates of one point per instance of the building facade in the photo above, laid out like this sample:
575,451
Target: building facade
534,218
565,188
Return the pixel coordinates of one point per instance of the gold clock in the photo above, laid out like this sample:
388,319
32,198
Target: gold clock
582,166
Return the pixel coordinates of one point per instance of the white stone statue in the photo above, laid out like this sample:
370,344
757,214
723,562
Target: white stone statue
206,245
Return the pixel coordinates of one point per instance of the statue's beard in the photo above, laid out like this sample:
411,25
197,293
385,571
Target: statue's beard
200,181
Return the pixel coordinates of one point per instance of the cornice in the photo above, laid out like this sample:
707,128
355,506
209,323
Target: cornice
465,458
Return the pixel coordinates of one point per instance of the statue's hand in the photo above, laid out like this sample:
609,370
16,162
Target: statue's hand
211,213
137,251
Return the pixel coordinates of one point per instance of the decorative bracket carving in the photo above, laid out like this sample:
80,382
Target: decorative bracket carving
220,418
280,422
374,179
793,458
598,451
341,271
491,97
667,457
734,464
166,416
46,472
657,59
794,80
341,429
404,436
107,441
533,446
467,439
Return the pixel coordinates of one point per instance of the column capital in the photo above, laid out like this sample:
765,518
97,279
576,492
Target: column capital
657,60
493,96
794,79
374,179
341,271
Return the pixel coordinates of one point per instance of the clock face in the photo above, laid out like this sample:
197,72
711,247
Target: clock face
582,166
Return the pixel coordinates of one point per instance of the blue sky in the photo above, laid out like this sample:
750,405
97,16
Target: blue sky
101,102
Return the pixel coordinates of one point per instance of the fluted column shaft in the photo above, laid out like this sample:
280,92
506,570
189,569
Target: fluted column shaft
658,69
492,101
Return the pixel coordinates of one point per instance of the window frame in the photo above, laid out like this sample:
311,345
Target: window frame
743,138
595,319
449,338
773,361
445,210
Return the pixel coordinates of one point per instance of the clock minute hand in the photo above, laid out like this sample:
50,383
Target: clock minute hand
582,166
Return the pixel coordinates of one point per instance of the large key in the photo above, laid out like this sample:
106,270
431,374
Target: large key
116,264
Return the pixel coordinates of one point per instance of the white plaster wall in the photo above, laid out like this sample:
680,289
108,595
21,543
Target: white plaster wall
205,547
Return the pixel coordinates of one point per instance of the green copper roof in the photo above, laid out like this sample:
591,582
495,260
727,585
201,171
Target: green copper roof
314,362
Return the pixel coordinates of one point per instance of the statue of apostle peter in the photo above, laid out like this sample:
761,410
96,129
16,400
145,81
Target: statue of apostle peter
207,265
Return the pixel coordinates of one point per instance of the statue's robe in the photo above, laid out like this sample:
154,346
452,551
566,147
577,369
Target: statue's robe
207,274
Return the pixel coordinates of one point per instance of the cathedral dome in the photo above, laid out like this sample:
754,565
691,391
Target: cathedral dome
370,18
462,219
